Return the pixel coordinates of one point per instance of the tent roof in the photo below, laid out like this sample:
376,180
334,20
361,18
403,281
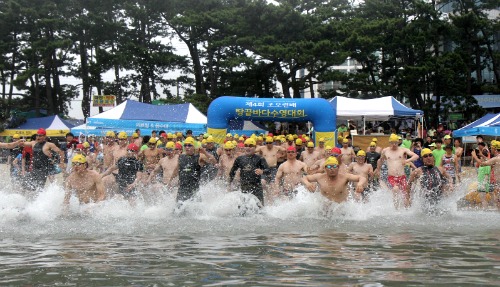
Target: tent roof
488,125
372,109
54,125
133,110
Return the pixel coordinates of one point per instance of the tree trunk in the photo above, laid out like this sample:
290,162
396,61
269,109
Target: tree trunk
84,75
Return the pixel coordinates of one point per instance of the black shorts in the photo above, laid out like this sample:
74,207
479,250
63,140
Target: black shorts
255,190
270,174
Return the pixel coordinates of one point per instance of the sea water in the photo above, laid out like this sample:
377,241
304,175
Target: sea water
223,239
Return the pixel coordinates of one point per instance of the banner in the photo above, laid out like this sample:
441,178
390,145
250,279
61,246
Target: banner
137,124
103,101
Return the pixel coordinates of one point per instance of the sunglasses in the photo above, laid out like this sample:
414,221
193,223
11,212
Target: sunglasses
249,145
131,150
290,152
188,145
78,163
40,135
334,154
151,144
330,166
122,139
427,155
227,150
269,143
169,149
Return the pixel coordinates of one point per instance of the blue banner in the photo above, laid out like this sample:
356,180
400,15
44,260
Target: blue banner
137,124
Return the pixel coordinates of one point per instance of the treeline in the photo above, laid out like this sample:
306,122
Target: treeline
407,49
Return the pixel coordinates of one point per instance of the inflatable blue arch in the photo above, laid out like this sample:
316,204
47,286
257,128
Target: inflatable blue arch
318,111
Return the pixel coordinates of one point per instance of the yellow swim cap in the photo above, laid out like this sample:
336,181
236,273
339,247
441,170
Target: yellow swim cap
228,145
86,145
152,140
393,138
16,136
310,144
122,135
328,147
340,138
170,145
250,141
374,139
110,134
322,140
79,158
331,160
361,153
210,139
345,141
241,139
425,151
204,141
135,135
269,140
228,135
189,140
373,144
298,142
289,138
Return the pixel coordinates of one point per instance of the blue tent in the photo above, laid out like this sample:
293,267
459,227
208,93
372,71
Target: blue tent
131,115
54,125
242,127
489,125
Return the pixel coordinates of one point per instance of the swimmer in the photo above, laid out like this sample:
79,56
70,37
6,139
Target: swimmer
289,175
494,162
86,184
310,156
168,164
332,184
361,168
226,161
150,156
270,153
347,152
107,150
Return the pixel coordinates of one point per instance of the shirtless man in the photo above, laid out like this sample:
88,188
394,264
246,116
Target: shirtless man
136,139
494,162
321,146
226,161
168,165
86,184
318,167
270,153
361,168
347,152
332,184
150,156
395,157
107,150
92,163
289,174
310,156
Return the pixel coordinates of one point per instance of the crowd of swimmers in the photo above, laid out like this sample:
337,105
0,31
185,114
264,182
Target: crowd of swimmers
267,166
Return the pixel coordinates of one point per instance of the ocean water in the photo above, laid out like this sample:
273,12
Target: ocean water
223,239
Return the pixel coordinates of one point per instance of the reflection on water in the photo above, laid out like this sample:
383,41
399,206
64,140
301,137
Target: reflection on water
301,242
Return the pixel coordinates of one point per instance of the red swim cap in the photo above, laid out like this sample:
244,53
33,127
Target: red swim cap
133,147
336,150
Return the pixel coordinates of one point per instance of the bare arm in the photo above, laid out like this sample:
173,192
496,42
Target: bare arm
308,181
11,145
109,170
100,189
361,180
413,155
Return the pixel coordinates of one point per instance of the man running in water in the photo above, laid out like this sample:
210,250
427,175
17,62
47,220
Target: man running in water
226,160
289,174
168,164
43,161
251,168
86,184
395,157
361,168
432,179
494,162
310,156
189,169
332,184
270,153
130,169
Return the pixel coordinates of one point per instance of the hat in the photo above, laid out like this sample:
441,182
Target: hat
236,136
178,145
495,144
122,135
340,138
374,139
110,134
307,138
79,158
203,141
133,147
310,144
210,139
432,144
178,134
228,145
152,140
393,138
170,145
425,151
135,135
16,136
228,135
259,138
269,140
345,141
361,153
79,146
164,135
289,138
321,140
41,132
241,145
189,140
250,141
336,150
241,139
86,145
331,160
170,136
291,148
373,144
328,147
298,142
447,137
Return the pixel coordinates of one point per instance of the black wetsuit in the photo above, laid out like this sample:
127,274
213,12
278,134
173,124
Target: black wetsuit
372,158
13,154
189,176
432,183
250,181
209,171
127,173
42,165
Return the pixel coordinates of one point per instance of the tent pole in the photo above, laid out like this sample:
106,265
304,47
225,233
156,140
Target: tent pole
364,126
